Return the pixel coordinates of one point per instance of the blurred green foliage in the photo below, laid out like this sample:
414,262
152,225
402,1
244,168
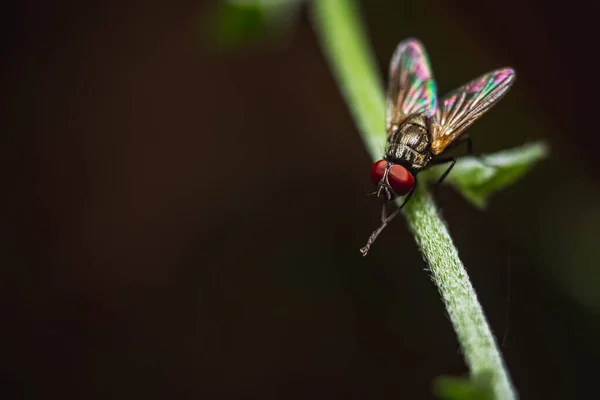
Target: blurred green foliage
237,23
458,388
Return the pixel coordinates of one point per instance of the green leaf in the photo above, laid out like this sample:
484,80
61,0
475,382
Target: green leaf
456,388
239,23
478,178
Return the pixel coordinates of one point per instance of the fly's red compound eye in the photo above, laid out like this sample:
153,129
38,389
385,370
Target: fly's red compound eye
378,170
400,179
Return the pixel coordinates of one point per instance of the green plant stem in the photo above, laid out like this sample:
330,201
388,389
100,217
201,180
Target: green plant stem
344,42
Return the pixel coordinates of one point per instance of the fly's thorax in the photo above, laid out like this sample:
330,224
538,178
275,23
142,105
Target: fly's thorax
409,143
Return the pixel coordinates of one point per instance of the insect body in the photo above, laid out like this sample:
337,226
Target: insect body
419,129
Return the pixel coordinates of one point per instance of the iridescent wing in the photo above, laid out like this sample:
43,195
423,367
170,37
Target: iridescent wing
411,88
463,106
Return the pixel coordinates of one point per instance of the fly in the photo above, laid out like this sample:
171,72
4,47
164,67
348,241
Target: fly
420,128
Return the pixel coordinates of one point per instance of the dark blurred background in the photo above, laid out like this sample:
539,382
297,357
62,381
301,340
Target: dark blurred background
183,221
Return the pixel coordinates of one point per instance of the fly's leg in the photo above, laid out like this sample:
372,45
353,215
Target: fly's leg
463,139
466,138
383,212
409,195
385,219
452,161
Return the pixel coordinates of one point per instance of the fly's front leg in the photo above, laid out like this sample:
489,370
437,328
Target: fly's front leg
365,249
383,212
385,219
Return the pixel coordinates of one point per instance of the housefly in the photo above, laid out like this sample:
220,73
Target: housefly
420,128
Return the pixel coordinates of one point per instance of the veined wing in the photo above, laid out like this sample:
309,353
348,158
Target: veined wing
463,106
411,87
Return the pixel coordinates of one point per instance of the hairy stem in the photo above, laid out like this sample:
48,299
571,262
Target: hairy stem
344,42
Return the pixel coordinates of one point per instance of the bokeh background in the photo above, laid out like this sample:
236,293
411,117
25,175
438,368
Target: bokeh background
183,219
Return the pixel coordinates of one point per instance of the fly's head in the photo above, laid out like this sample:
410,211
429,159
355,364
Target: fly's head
391,179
